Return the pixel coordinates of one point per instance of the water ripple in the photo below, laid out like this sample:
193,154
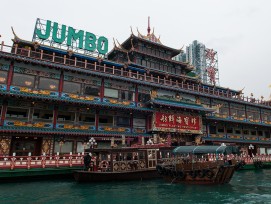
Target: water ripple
252,187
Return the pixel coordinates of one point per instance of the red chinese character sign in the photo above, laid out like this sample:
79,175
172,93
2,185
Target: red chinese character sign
177,123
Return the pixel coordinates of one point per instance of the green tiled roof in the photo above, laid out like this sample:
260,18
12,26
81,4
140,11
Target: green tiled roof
181,105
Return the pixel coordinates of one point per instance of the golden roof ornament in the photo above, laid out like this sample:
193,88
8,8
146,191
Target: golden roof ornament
150,36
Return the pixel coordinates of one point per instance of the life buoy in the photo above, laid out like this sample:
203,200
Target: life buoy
209,173
104,164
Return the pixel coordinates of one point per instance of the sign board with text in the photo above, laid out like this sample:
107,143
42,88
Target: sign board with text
173,122
67,38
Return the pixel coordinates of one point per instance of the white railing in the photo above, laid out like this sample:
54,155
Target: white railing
29,162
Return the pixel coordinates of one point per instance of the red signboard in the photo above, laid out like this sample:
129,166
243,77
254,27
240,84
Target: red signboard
177,122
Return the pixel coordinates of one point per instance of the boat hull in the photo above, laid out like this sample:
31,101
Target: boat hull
91,176
214,175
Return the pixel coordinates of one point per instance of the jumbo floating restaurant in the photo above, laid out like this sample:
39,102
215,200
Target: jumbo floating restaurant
64,87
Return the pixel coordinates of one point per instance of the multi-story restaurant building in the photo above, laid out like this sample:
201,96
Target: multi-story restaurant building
53,100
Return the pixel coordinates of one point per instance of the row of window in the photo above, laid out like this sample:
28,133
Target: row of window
230,130
30,81
43,83
153,51
159,66
252,115
47,115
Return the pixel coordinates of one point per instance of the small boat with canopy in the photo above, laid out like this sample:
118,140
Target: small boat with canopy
199,165
122,164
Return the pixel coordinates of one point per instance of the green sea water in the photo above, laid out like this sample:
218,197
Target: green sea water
245,187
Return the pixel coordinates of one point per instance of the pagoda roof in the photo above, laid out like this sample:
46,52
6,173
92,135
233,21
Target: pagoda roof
147,40
177,104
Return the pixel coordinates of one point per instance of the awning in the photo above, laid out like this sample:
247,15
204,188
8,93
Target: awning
181,105
205,150
136,69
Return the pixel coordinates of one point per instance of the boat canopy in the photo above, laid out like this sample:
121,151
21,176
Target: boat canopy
206,149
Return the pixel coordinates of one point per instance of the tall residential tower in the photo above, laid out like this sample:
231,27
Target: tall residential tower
204,60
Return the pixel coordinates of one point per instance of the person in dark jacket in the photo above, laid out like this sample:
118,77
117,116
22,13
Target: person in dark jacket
87,160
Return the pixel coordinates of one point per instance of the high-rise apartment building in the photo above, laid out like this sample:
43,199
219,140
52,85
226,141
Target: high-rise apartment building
203,59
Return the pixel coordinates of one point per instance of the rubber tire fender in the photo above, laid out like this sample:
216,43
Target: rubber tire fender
181,175
210,174
201,173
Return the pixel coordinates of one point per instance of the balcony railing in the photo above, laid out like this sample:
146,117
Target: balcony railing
235,137
29,162
239,118
97,67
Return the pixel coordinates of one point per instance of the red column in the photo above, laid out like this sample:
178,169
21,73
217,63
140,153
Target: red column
169,139
131,122
3,113
61,82
102,90
55,116
10,75
140,140
136,95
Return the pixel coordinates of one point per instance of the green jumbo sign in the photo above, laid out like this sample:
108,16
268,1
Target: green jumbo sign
68,35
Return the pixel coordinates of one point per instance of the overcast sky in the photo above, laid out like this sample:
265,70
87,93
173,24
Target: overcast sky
239,30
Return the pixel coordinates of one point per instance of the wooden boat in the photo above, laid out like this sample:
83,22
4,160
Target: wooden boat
120,164
193,165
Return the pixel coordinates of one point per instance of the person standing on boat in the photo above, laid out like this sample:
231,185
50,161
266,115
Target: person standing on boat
87,160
